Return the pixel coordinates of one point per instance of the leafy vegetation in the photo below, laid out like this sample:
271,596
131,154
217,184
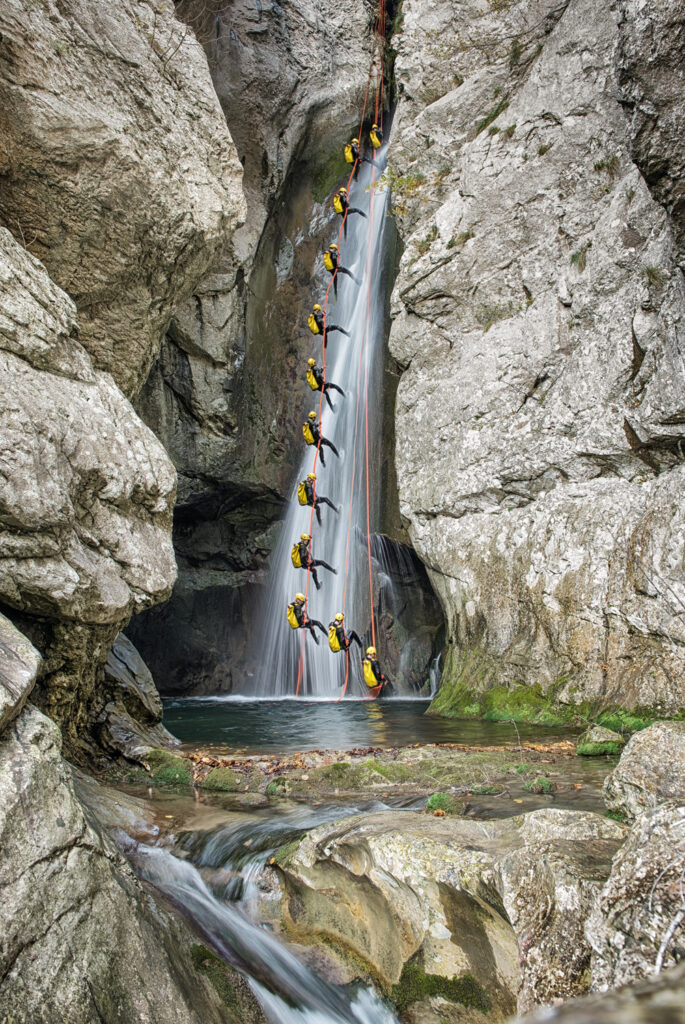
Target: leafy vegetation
460,239
544,148
486,121
579,257
539,785
424,245
611,165
619,816
439,802
655,276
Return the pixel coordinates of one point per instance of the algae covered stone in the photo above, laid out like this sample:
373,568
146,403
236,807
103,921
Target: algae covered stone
597,741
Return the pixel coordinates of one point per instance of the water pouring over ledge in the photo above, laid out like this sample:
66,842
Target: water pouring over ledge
355,364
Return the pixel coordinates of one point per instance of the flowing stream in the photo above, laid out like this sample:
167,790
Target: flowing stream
215,884
355,364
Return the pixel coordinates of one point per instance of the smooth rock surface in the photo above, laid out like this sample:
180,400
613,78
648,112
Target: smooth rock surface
650,771
81,940
538,323
118,169
636,927
489,898
19,664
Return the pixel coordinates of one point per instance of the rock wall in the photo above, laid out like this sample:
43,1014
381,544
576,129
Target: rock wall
227,393
538,319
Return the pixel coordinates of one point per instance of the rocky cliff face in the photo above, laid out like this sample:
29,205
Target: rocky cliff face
538,322
227,393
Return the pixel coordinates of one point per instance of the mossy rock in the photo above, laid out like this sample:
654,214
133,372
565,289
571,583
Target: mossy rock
414,985
540,785
222,780
167,769
284,854
597,741
444,802
219,973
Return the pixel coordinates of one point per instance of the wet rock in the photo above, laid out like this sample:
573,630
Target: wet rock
538,415
118,169
635,929
126,671
19,664
82,941
651,770
120,733
597,740
461,897
660,1000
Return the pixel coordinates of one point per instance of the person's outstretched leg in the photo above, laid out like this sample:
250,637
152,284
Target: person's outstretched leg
335,387
314,575
310,626
324,565
323,461
329,444
318,510
328,399
354,637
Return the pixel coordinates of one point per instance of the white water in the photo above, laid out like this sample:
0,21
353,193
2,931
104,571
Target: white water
359,309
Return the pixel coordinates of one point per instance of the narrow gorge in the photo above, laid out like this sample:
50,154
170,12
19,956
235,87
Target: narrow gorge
205,816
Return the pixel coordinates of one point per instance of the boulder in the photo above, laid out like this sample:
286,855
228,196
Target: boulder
129,676
597,741
82,940
636,926
502,901
651,770
118,169
19,664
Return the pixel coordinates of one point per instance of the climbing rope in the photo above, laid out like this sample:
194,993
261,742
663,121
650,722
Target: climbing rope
379,45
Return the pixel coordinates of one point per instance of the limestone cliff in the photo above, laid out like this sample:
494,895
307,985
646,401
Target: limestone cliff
538,314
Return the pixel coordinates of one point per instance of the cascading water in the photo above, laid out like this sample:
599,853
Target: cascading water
355,364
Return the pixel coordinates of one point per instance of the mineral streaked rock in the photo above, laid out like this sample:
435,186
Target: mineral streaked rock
19,664
87,491
82,941
538,318
118,169
650,771
468,896
635,929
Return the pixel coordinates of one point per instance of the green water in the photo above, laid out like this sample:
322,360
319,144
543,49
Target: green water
280,726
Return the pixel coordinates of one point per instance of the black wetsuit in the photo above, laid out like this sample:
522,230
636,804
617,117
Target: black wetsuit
306,562
358,158
307,623
387,689
315,502
347,210
345,639
324,385
321,441
339,270
327,329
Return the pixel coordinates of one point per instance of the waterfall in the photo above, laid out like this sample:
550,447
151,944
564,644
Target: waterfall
355,364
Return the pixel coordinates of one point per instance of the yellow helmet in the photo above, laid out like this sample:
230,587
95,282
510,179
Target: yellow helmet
339,617
371,651
305,536
356,141
333,246
316,307
343,189
311,415
311,362
300,598
374,127
311,476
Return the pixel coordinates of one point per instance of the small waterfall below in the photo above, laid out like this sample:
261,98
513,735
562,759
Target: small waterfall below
356,365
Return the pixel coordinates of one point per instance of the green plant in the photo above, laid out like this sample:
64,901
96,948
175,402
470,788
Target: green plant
218,973
523,768
597,749
620,816
486,790
414,985
489,313
655,276
611,165
579,257
402,186
544,148
539,785
486,121
509,132
493,129
457,78
460,239
515,53
439,802
424,245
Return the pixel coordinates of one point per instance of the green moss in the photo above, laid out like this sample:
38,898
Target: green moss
439,802
539,785
622,720
486,121
460,239
598,749
414,985
219,973
616,816
579,258
167,769
326,174
284,853
276,788
486,790
222,780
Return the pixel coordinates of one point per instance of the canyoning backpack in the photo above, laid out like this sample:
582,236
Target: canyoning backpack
349,155
292,617
311,319
328,261
295,556
375,141
369,674
302,493
333,641
311,380
337,204
307,433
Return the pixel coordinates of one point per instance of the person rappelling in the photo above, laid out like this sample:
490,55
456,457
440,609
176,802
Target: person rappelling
306,495
316,322
338,638
311,431
301,556
373,677
317,382
353,156
376,136
296,614
341,205
330,262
